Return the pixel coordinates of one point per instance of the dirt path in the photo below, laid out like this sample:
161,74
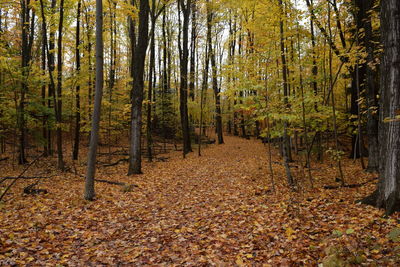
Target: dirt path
210,210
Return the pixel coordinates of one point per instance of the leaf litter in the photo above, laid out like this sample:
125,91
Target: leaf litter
214,210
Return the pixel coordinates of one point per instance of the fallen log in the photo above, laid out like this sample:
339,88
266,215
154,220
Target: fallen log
349,185
30,190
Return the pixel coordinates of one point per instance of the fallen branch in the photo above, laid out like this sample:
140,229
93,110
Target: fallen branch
349,185
115,163
290,166
114,183
6,158
108,181
30,190
27,177
19,176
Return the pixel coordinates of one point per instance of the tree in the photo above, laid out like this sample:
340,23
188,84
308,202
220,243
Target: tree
94,134
27,34
75,152
135,150
58,104
285,138
387,195
218,113
185,6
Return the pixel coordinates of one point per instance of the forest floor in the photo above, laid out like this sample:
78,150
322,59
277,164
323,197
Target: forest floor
214,210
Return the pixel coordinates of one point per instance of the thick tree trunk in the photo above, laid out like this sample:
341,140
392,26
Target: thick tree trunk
135,151
183,89
387,195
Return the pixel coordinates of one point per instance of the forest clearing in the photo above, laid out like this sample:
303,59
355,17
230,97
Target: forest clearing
218,209
200,133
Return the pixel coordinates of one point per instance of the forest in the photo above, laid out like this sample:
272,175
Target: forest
200,133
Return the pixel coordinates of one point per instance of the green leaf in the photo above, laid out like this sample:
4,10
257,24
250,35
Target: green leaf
337,233
394,235
349,231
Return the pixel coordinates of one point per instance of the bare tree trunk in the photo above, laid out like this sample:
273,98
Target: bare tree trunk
193,52
202,100
26,46
45,125
135,150
387,195
285,99
150,89
60,157
339,162
49,47
371,87
75,152
112,71
315,87
218,115
183,90
94,134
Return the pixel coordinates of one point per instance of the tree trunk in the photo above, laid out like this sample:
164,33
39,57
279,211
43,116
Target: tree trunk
60,159
150,89
77,96
94,134
387,195
112,71
183,89
315,87
285,140
135,150
371,87
203,89
218,115
25,60
193,52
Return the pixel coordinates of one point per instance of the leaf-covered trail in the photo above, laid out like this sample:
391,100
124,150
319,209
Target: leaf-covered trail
209,210
197,209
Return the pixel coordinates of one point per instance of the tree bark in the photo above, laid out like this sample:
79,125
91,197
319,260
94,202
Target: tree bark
94,134
183,89
26,46
285,139
193,42
60,157
218,115
135,151
75,152
387,195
